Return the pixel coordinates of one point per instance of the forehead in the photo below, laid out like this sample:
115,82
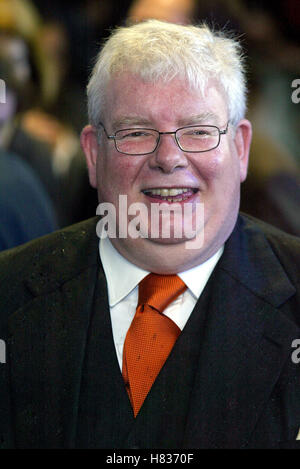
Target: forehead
128,98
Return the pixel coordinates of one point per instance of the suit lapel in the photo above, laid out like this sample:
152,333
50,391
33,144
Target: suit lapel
246,342
47,340
105,414
47,351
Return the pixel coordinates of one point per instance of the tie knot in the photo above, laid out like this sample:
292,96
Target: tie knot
159,291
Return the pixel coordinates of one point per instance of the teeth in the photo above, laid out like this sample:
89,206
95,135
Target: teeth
167,192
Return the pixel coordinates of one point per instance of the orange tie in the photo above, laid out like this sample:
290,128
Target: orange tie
151,335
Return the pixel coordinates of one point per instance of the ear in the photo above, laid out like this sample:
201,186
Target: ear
90,146
242,139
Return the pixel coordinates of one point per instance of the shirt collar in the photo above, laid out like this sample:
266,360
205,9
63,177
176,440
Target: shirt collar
197,277
122,276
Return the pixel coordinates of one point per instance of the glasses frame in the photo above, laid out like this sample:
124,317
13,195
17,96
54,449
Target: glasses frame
114,137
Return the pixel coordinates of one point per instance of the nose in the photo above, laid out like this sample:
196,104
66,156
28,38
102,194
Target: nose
168,156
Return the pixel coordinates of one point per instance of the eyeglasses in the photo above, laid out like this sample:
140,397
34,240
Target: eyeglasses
191,139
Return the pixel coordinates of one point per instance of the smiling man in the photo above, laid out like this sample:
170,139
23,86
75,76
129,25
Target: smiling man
209,173
141,340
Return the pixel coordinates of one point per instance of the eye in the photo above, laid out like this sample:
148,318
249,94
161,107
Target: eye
137,134
197,133
134,134
200,132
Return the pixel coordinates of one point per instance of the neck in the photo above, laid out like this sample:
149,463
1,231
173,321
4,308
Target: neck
162,258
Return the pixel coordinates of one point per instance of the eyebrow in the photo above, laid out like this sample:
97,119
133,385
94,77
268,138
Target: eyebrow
132,120
205,117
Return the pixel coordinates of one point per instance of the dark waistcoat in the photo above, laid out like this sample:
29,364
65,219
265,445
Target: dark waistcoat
105,416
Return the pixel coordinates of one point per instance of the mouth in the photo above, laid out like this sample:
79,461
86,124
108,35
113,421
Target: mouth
171,195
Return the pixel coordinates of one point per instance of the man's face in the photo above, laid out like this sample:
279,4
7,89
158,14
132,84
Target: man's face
212,178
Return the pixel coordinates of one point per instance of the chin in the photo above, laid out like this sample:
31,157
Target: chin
169,241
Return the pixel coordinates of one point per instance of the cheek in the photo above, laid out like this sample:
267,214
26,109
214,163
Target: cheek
210,167
221,176
115,175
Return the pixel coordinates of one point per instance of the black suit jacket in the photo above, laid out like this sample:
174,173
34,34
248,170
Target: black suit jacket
230,381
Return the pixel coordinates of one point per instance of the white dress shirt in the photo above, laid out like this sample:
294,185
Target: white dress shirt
123,279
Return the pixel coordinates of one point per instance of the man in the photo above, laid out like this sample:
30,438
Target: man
98,357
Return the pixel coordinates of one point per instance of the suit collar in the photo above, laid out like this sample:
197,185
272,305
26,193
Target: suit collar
246,342
47,346
66,253
250,260
245,345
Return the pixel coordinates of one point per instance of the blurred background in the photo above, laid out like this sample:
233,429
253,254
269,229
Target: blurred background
47,50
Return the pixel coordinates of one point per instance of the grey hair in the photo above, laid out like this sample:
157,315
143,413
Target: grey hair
155,50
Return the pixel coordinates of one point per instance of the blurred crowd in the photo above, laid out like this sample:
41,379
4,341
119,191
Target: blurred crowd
46,54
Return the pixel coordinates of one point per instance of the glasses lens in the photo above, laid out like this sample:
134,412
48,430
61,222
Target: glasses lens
136,141
198,138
